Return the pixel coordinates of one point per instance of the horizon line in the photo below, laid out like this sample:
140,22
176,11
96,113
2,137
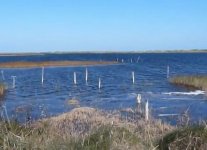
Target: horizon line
107,51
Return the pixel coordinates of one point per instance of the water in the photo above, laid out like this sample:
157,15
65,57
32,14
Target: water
117,90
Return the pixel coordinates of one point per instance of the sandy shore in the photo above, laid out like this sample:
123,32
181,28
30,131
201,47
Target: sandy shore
24,64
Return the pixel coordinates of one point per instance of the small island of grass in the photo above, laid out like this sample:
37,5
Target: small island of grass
26,64
198,82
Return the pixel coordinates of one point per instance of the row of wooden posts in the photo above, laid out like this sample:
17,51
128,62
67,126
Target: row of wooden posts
86,78
99,86
131,60
99,83
74,77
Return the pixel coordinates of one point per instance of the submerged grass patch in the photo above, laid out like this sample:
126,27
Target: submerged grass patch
199,82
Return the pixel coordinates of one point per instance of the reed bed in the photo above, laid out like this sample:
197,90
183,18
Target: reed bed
198,82
24,64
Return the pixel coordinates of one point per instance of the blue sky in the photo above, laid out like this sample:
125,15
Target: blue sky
95,25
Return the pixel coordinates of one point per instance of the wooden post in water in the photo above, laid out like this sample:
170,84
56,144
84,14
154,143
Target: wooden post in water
139,98
74,78
131,60
147,111
14,81
122,60
117,59
99,83
2,74
133,80
86,75
168,72
138,59
43,70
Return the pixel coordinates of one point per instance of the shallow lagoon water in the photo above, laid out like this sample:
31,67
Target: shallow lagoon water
117,90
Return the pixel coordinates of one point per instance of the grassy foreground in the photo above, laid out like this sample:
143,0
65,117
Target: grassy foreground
24,64
83,128
87,128
199,82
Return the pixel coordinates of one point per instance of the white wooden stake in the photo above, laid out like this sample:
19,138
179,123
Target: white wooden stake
43,70
2,74
139,107
133,77
74,78
14,81
86,75
131,60
147,111
99,83
122,60
168,71
139,98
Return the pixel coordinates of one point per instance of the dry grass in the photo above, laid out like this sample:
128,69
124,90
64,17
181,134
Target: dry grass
2,89
85,128
191,137
199,82
24,64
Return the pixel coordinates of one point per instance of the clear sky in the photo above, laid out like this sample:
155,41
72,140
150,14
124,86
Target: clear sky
98,25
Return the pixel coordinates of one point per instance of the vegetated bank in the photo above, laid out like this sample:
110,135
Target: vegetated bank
87,128
84,128
27,64
198,82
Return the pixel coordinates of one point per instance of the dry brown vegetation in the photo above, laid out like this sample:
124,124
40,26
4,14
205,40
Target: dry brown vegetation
24,64
85,128
188,138
2,89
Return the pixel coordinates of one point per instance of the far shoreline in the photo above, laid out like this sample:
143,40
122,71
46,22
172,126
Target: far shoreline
104,52
29,64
